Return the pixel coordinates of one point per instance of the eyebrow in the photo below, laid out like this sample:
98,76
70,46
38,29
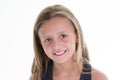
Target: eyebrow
61,32
45,33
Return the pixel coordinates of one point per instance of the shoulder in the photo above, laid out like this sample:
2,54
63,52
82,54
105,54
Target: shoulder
31,77
98,75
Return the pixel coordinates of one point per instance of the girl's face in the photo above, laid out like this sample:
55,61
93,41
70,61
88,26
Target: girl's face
58,39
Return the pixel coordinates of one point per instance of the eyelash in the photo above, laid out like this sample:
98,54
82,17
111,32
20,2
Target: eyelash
63,36
47,40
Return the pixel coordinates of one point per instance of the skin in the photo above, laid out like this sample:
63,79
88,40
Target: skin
58,36
59,40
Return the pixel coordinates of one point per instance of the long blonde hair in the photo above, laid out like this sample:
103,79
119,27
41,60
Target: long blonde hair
40,59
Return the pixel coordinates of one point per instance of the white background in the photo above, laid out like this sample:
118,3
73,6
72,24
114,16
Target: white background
100,21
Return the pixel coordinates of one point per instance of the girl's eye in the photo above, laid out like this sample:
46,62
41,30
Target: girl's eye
47,40
63,36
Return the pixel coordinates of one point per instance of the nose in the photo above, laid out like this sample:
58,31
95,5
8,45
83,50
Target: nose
55,44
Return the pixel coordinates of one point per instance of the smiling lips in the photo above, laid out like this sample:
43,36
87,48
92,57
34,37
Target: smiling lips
60,53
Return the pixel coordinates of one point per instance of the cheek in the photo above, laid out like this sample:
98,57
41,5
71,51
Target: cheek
70,43
47,48
70,40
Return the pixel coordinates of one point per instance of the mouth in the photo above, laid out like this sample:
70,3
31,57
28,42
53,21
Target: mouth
60,53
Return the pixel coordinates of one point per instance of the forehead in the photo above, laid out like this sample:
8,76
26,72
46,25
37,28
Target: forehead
55,25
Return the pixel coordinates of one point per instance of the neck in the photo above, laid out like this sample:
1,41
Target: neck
69,67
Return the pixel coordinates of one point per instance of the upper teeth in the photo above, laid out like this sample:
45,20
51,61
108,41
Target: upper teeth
58,53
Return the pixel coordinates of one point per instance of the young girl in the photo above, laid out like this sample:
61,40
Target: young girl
60,49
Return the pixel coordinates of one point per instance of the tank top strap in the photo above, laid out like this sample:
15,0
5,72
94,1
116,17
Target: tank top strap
48,74
86,72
